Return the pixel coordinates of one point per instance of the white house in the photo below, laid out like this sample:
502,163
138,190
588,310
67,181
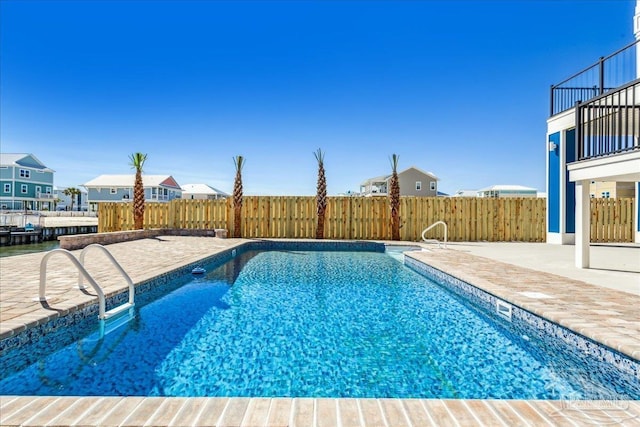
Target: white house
202,192
507,191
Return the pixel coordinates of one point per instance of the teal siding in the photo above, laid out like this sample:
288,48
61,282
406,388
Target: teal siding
6,172
29,162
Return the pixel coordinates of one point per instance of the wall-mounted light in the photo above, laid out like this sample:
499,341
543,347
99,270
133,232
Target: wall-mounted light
553,146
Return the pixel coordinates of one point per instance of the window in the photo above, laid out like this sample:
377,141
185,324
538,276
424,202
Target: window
7,188
23,188
38,190
432,186
25,173
418,185
605,194
113,191
48,190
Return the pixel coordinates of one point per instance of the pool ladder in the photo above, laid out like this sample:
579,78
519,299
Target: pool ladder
83,273
436,240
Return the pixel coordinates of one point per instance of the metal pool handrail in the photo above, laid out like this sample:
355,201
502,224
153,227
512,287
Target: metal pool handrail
436,240
43,278
82,272
115,264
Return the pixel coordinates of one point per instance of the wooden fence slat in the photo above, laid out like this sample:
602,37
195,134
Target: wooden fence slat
368,218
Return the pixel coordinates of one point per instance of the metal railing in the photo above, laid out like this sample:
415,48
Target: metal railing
436,240
610,123
608,73
102,313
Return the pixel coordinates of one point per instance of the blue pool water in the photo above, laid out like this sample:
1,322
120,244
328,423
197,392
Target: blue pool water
307,323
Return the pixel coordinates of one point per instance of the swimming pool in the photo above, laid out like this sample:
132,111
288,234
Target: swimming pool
309,323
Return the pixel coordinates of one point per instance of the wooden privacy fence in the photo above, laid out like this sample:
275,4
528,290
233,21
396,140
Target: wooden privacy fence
366,218
612,220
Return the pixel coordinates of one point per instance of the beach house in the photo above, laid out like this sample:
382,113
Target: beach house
119,188
507,191
25,183
202,192
593,133
413,182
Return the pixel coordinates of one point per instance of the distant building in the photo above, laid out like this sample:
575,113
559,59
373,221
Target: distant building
499,191
507,191
202,192
413,182
466,193
25,182
63,202
119,188
611,189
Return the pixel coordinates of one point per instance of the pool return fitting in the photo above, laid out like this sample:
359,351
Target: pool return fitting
83,273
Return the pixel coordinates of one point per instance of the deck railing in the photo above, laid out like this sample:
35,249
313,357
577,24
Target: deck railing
610,123
608,73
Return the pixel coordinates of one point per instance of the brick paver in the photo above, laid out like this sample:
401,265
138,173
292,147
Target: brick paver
608,316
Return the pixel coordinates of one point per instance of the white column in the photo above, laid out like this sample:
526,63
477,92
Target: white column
583,226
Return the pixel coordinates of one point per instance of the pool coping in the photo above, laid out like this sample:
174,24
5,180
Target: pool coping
30,410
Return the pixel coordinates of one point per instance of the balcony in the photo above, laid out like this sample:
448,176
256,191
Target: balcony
607,74
605,99
45,196
609,124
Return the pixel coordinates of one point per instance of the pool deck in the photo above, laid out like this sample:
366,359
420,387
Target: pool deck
602,304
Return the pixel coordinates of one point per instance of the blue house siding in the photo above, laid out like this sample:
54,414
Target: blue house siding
105,195
553,193
570,191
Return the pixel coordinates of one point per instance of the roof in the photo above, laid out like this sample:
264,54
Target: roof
23,159
466,193
507,188
128,181
202,189
383,178
421,171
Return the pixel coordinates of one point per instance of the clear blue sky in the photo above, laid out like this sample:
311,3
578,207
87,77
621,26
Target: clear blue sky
457,88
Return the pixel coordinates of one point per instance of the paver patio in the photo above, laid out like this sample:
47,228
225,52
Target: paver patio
608,316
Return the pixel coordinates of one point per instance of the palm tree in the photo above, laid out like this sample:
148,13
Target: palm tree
71,192
137,162
238,161
394,198
321,195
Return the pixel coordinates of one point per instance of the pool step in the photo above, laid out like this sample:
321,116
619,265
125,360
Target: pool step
115,311
116,318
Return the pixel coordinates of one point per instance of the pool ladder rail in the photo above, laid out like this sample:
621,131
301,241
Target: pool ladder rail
435,240
83,273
